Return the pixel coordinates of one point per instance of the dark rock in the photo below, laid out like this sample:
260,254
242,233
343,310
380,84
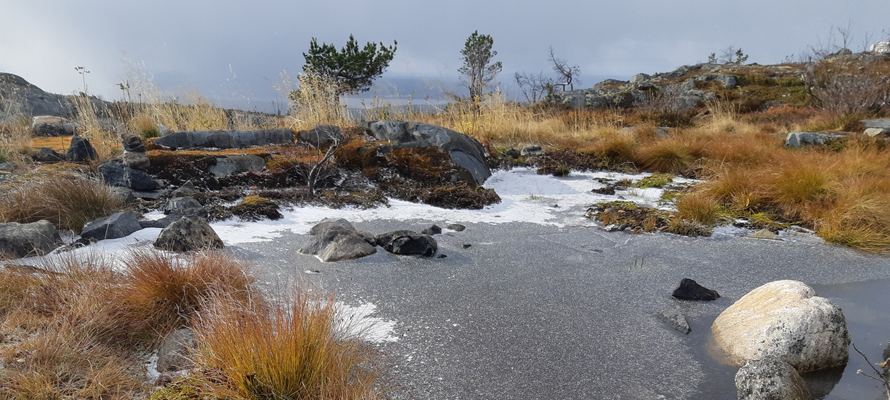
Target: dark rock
187,189
226,166
134,144
513,153
50,125
184,206
230,139
140,181
160,223
608,190
337,239
675,319
136,160
320,135
173,354
466,152
81,150
433,230
770,379
114,174
532,151
23,240
691,290
114,226
407,242
456,227
466,245
45,154
123,193
442,256
188,234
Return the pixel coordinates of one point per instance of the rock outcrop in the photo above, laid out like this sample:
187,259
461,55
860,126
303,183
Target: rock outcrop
188,234
32,99
770,379
114,226
222,139
337,239
787,321
23,240
626,94
465,152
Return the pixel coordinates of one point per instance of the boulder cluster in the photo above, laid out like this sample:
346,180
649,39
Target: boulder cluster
337,239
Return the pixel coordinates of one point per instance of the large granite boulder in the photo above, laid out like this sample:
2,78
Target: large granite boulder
465,151
114,226
407,242
51,125
23,240
770,379
188,234
223,139
787,321
337,239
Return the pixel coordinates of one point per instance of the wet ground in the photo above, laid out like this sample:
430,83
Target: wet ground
532,311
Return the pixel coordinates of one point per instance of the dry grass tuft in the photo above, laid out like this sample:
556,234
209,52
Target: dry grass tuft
698,208
675,155
281,351
162,293
66,200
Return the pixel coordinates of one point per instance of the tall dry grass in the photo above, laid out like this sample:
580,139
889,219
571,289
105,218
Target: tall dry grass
81,328
163,293
67,200
15,129
286,350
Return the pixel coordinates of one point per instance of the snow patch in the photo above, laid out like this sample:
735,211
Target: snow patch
358,322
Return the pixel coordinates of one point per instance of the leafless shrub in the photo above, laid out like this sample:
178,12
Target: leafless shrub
861,91
533,87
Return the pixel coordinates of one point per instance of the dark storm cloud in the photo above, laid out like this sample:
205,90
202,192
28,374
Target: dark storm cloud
237,49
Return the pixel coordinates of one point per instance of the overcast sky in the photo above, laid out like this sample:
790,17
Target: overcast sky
228,49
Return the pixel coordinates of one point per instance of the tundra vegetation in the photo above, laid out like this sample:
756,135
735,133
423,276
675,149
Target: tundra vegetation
81,328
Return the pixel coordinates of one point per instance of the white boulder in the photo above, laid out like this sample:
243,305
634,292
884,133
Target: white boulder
784,320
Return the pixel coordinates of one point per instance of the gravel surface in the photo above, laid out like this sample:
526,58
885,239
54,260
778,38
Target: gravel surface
530,311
